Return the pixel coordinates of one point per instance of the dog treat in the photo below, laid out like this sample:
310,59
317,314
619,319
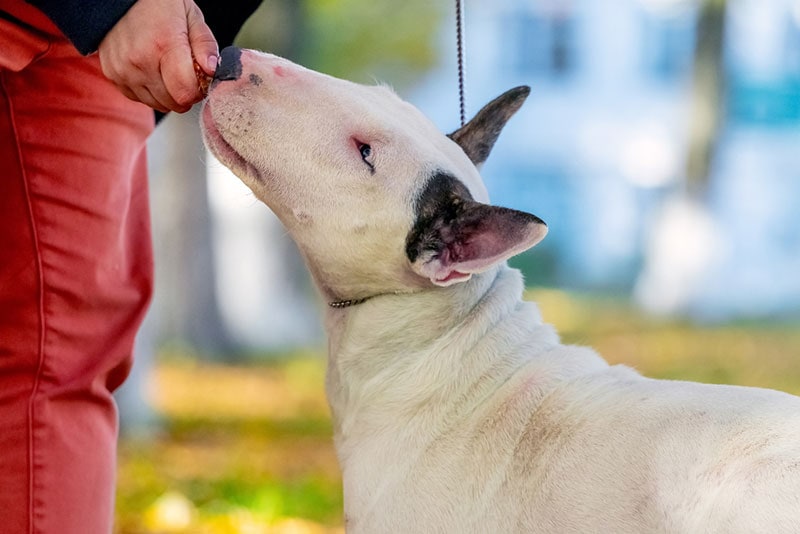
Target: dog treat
203,79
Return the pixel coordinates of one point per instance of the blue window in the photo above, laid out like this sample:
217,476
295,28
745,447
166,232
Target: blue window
543,43
668,44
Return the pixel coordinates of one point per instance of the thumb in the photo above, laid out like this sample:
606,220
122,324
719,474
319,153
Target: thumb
201,40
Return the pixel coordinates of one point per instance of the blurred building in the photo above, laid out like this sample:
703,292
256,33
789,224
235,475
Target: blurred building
599,151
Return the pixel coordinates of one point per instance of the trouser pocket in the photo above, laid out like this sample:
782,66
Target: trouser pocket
20,44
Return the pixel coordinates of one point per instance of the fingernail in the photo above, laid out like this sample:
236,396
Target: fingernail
212,63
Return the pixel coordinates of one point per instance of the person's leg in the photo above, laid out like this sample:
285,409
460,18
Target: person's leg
75,280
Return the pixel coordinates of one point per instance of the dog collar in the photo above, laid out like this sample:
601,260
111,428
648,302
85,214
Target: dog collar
338,304
346,303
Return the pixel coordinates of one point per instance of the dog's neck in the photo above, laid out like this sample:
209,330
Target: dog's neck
403,369
398,351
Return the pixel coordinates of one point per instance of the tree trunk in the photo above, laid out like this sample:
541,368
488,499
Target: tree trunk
186,303
708,96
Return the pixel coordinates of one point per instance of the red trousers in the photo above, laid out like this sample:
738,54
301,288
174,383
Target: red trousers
75,275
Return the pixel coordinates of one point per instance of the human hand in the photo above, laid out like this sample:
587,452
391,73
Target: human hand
149,53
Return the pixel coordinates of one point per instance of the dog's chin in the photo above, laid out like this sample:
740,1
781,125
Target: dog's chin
223,151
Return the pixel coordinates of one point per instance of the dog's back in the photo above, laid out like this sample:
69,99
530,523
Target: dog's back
527,435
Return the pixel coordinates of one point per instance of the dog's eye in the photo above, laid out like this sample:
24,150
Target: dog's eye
366,154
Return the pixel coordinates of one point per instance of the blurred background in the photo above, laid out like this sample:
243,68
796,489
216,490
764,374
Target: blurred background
661,143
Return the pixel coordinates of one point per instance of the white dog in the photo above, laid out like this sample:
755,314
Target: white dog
455,408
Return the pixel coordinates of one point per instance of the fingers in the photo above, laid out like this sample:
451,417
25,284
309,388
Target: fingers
131,79
178,80
143,95
202,42
177,64
149,53
134,82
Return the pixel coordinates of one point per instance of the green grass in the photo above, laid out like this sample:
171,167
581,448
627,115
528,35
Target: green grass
247,449
764,354
240,449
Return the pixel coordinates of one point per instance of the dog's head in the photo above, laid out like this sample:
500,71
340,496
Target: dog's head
377,199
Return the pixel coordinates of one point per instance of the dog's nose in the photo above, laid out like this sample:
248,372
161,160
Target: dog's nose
230,64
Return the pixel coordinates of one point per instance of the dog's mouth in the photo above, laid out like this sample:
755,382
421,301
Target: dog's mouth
220,147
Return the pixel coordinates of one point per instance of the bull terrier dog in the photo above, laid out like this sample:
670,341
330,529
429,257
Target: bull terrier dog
456,409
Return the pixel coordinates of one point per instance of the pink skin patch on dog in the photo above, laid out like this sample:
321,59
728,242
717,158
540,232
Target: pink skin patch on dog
454,275
279,71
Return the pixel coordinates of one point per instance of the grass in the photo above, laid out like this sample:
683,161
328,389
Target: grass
763,354
243,449
248,449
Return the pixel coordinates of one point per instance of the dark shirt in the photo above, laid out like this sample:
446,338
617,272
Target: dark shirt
86,22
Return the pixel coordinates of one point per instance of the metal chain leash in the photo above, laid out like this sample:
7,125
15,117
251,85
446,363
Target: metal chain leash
460,59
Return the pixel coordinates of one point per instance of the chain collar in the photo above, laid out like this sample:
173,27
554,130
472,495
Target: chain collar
346,303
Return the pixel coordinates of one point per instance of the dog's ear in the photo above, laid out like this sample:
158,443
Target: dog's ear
455,237
477,137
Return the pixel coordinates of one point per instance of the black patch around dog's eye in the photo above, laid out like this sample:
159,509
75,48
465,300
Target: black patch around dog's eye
438,206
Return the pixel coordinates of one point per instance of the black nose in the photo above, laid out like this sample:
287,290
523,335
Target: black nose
230,64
